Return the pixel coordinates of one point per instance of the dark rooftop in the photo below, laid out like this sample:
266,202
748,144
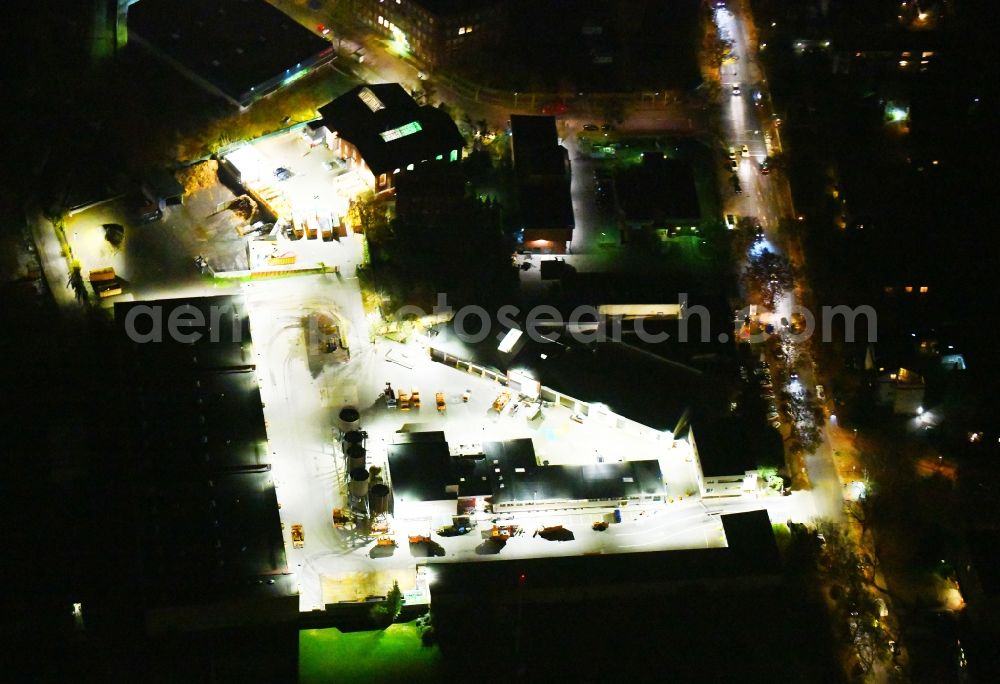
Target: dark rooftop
420,467
634,383
658,190
389,128
536,147
541,165
423,470
235,45
448,7
734,445
209,516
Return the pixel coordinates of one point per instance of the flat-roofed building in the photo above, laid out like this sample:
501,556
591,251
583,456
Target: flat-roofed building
428,481
212,555
542,171
242,50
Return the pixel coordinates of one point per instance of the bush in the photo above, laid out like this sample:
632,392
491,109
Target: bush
427,637
380,615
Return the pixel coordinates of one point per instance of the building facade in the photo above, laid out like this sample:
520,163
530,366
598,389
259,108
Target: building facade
435,31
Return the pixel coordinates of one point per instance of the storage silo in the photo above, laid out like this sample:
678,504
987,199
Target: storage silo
354,437
349,419
356,457
359,483
378,499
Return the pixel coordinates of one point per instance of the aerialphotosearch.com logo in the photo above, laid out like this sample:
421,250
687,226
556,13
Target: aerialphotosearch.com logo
543,323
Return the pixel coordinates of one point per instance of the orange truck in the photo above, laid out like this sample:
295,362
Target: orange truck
442,405
501,401
102,274
298,536
105,282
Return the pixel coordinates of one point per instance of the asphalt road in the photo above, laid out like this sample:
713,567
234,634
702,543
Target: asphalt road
747,119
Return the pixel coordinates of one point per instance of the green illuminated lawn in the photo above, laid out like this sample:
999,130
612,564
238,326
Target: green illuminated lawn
329,655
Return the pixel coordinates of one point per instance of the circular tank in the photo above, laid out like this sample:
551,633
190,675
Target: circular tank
349,419
355,457
359,482
354,437
378,499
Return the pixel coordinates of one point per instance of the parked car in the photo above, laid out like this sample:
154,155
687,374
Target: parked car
281,173
149,212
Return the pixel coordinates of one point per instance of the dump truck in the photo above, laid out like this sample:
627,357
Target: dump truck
600,525
415,398
298,536
419,539
442,405
385,541
403,399
340,518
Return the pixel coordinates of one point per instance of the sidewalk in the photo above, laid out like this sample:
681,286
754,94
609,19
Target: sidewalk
54,264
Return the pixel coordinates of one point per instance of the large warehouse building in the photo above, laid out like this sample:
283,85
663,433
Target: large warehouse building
382,131
242,50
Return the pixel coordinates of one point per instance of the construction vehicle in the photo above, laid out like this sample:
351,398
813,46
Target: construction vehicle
501,401
105,282
340,518
385,541
380,528
504,532
442,405
419,539
102,274
600,525
554,529
403,398
415,398
298,536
